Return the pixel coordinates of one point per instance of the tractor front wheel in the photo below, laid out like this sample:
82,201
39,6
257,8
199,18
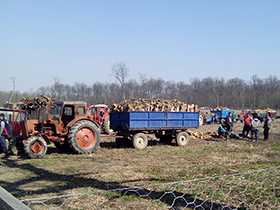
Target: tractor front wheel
35,147
84,137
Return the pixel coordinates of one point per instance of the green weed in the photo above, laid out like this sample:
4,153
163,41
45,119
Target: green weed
277,148
182,173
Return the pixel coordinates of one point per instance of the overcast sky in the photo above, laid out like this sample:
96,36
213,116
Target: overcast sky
176,40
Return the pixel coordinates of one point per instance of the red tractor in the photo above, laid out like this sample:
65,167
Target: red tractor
14,117
100,115
66,125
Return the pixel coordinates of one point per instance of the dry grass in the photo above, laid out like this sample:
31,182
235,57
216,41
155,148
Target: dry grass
110,167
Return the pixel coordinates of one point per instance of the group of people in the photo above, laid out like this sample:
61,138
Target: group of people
226,126
252,124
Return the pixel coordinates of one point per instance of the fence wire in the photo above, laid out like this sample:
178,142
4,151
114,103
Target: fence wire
253,190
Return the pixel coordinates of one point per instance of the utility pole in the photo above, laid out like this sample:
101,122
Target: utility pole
14,87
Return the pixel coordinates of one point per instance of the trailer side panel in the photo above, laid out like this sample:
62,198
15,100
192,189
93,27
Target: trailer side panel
145,120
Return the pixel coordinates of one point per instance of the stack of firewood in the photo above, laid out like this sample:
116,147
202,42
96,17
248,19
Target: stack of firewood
268,110
221,108
36,102
143,104
203,134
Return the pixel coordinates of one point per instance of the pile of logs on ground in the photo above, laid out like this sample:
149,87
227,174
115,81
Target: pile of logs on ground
221,108
36,102
143,104
203,134
268,110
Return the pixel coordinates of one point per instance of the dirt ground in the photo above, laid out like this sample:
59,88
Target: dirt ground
110,167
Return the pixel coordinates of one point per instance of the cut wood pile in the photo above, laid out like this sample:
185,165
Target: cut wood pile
206,113
143,104
268,110
221,108
203,134
36,102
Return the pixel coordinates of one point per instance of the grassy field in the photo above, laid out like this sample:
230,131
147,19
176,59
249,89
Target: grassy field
110,167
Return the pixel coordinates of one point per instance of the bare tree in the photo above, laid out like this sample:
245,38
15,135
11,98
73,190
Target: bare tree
57,89
120,73
233,93
271,87
257,88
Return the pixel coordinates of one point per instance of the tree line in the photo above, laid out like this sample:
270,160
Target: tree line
209,92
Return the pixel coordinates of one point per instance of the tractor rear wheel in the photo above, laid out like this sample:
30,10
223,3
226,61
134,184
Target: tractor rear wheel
106,126
35,147
182,139
140,141
16,145
84,137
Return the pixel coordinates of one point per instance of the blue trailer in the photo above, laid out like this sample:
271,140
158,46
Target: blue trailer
218,115
133,126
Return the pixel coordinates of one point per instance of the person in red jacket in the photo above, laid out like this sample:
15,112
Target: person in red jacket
247,125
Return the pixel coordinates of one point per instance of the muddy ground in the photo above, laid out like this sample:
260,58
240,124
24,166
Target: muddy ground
111,167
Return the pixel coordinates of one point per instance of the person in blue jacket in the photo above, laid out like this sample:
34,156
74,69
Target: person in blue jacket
222,130
4,133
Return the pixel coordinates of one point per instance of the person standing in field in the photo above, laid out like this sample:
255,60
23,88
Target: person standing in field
247,125
4,133
266,126
229,124
255,126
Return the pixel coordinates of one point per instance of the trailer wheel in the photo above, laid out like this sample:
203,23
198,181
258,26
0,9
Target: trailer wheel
84,137
201,120
140,141
16,145
35,147
182,139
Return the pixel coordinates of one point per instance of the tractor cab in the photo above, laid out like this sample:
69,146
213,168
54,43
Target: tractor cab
71,111
100,115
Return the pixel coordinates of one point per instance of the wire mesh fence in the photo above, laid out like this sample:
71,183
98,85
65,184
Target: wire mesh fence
253,190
